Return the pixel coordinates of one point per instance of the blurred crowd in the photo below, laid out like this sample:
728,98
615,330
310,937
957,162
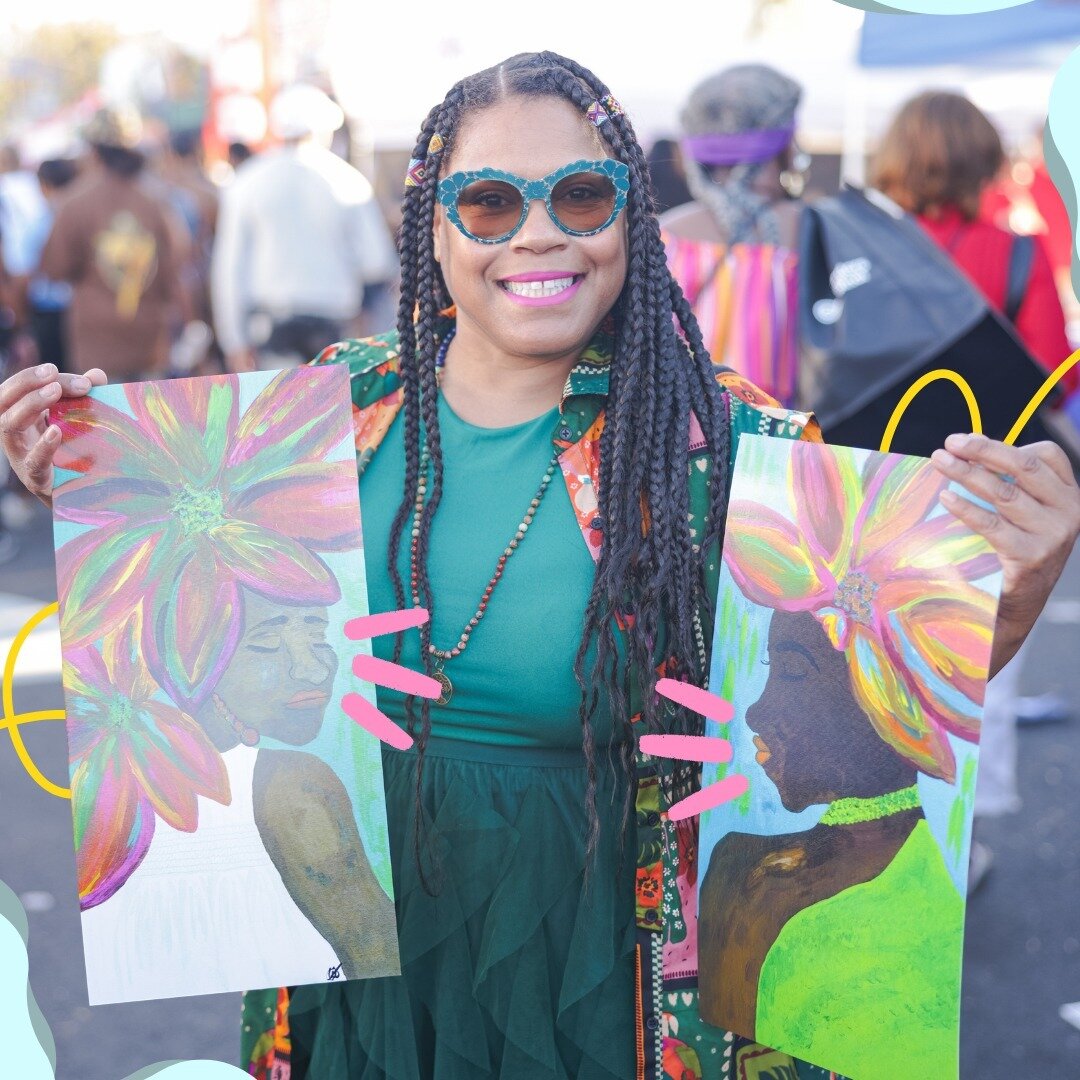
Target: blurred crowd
128,258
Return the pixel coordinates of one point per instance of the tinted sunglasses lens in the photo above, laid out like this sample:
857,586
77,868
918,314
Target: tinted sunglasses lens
583,202
489,208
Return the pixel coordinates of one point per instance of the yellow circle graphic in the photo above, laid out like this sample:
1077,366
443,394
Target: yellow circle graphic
11,720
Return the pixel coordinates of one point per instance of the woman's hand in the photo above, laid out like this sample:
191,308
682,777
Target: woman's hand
1033,525
29,440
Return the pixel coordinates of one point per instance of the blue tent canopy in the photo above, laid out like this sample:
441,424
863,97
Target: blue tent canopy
917,40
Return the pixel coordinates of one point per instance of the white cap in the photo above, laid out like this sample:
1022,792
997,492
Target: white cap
302,110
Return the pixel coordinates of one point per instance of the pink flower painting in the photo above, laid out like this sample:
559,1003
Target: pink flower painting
889,576
188,501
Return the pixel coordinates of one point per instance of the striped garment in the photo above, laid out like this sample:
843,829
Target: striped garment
745,298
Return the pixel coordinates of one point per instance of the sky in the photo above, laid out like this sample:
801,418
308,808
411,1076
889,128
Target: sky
391,62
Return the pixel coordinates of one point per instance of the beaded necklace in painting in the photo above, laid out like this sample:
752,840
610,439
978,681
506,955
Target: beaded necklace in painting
852,811
442,656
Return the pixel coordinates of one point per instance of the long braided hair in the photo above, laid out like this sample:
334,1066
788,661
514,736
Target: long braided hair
650,570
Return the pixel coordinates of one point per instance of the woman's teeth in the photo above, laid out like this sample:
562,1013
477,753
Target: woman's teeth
538,288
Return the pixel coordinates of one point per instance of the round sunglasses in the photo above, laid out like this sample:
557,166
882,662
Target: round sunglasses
490,206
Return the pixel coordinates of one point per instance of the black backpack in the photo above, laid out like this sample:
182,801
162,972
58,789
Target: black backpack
880,304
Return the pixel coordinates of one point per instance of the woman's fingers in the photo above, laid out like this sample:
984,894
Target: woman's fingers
38,463
25,396
28,439
96,376
1006,538
20,384
1008,498
1034,517
1042,469
24,412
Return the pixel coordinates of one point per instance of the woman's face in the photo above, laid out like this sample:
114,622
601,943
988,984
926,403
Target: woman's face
530,138
281,676
814,741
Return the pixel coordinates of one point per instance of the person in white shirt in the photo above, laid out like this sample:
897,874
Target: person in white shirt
301,248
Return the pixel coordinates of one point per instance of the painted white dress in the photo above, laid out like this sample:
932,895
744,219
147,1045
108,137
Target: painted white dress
204,913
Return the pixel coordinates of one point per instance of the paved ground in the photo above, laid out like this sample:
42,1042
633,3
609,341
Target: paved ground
1022,960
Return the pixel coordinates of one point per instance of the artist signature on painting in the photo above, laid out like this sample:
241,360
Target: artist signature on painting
333,973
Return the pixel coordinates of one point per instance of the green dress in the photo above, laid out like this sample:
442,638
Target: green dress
844,1008
513,969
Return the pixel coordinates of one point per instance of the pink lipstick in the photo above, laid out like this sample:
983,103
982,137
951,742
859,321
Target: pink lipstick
541,288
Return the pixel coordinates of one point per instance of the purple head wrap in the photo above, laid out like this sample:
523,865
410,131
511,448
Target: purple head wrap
739,147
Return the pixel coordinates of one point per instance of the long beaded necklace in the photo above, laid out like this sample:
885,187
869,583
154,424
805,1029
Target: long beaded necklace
444,655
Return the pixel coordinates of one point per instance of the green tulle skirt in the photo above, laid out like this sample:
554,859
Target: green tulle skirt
514,970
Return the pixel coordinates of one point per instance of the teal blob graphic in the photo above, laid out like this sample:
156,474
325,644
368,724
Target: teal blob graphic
1061,147
29,1049
30,1042
932,7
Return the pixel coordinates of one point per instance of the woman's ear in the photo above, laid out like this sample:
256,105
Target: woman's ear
436,233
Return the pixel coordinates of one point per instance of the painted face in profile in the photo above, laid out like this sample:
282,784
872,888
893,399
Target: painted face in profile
814,741
281,676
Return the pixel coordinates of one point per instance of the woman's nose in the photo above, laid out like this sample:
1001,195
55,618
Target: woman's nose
538,232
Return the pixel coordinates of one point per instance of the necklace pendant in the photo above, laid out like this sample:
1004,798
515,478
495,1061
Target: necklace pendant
443,680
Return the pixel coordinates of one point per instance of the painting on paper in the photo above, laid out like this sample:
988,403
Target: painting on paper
854,624
230,826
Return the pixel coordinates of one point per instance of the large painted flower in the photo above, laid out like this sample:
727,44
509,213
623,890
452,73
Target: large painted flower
889,578
133,758
190,500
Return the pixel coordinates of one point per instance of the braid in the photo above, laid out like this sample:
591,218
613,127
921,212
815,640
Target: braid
422,295
650,574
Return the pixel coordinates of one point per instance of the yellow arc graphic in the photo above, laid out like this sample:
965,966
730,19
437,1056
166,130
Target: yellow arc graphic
973,406
11,720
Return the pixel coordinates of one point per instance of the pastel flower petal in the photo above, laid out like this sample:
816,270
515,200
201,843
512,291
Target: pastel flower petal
280,428
944,644
97,437
894,710
121,659
901,493
114,824
102,576
173,761
85,673
190,420
87,719
314,503
93,500
193,625
825,490
768,562
941,547
274,565
837,626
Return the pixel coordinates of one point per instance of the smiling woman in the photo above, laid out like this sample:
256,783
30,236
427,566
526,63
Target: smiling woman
537,342
545,468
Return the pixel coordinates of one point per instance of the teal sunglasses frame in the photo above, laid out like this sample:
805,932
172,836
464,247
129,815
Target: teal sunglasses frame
451,187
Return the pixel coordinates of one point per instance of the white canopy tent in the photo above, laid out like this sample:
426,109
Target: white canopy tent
651,67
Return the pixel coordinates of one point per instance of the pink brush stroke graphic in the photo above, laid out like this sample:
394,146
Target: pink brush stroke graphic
387,674
697,748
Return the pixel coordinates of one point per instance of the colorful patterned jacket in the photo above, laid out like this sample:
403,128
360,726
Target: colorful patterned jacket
672,1041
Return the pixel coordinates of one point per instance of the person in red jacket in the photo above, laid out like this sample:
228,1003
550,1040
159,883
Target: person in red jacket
938,156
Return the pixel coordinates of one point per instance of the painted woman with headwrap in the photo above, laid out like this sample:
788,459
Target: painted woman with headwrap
733,249
838,938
